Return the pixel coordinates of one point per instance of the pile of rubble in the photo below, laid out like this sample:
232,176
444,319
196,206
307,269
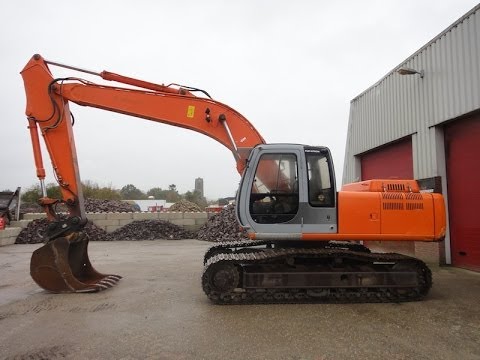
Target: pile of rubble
35,230
91,205
27,208
136,230
33,233
149,230
97,205
185,206
222,226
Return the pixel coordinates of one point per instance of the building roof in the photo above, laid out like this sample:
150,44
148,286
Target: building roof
423,48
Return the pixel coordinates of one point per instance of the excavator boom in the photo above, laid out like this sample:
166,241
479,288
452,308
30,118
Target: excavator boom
62,265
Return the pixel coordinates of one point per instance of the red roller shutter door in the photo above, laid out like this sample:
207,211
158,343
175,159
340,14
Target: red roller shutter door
394,161
462,142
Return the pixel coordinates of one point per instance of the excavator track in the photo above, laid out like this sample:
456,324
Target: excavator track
245,275
229,246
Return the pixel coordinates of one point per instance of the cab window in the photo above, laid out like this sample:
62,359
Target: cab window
274,192
320,186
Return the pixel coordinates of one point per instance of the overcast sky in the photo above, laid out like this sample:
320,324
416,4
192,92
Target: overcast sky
290,67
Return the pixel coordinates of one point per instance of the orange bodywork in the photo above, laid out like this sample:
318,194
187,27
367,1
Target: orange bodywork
390,210
387,210
387,216
379,185
391,216
383,210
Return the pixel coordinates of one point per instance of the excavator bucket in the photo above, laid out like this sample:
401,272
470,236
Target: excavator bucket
62,266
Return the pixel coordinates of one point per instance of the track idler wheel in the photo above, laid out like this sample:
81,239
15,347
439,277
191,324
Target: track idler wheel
62,266
219,280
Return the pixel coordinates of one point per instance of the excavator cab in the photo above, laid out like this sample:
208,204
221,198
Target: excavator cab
287,189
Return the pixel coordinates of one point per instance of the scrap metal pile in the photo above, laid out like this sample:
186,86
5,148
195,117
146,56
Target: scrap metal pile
97,205
185,206
222,226
136,230
34,232
149,230
91,205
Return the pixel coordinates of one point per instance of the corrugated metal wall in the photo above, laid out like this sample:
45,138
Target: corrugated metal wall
400,106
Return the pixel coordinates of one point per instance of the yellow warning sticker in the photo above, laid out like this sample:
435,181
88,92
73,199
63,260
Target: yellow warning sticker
190,111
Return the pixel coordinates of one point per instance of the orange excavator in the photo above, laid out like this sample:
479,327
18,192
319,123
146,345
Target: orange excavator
304,235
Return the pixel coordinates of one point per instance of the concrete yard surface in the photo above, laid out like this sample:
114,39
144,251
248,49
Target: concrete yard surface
159,311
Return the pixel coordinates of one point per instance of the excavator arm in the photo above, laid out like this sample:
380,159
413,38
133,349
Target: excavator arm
48,114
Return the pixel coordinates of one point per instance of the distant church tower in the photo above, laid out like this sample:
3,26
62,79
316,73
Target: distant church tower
199,185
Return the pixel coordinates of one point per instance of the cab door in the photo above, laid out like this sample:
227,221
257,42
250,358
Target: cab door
319,208
269,198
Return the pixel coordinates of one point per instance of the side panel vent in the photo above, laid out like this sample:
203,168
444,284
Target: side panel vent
395,187
414,196
392,196
393,206
414,206
402,201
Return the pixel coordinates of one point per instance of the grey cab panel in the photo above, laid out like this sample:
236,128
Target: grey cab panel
288,188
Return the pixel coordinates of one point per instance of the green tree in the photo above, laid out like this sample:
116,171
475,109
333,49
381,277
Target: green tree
31,195
158,193
130,192
172,194
92,190
196,197
53,191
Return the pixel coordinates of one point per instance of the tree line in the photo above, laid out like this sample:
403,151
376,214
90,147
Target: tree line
92,190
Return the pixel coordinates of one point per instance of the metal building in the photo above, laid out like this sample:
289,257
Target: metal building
422,121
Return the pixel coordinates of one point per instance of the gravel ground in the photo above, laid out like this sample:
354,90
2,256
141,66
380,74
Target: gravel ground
158,311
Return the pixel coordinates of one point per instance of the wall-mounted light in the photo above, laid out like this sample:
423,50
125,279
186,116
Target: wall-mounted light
409,71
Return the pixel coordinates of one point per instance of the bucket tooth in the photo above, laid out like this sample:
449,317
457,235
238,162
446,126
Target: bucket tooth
62,266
